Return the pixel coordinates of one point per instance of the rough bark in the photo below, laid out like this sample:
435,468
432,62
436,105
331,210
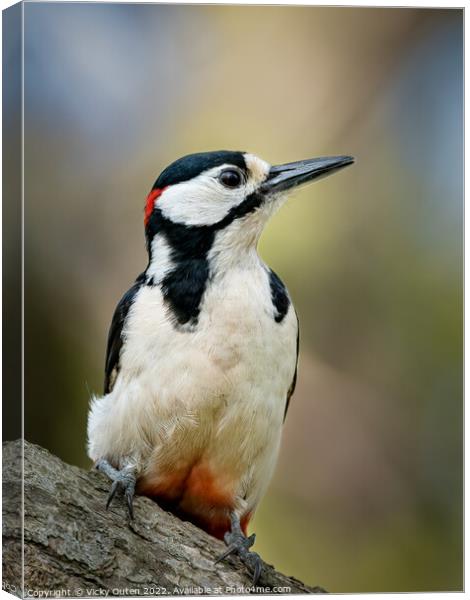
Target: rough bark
74,547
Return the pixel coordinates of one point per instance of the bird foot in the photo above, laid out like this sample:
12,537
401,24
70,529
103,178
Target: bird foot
124,480
238,543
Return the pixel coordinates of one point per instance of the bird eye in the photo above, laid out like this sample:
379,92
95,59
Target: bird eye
230,178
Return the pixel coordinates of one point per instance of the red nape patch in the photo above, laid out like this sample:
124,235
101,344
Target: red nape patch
150,203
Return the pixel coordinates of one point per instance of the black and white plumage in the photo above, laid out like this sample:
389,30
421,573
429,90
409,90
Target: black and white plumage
202,350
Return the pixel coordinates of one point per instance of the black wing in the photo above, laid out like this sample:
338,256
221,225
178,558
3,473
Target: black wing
115,334
294,379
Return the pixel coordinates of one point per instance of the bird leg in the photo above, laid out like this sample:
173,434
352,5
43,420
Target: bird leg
238,543
124,479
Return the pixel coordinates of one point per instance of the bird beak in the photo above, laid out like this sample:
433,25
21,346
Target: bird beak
290,175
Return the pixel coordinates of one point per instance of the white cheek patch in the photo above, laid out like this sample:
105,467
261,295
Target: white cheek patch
200,201
204,200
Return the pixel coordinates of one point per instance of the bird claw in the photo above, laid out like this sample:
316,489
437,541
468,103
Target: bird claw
112,493
240,544
126,482
124,479
258,567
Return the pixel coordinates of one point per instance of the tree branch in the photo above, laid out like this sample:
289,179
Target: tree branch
74,547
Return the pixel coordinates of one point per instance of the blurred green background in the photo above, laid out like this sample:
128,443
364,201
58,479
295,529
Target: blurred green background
367,495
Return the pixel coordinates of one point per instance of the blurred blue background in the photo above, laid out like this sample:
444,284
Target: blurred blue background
367,495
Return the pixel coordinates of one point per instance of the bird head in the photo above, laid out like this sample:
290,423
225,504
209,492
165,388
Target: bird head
224,194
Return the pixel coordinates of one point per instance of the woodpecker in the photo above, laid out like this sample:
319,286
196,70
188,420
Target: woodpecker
202,350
